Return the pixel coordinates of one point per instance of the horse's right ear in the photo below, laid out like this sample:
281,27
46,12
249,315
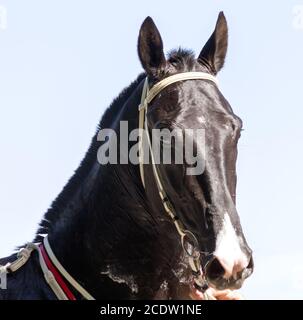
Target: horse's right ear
150,48
214,51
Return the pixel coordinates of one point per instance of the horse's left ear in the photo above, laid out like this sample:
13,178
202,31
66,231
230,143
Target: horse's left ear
215,49
150,48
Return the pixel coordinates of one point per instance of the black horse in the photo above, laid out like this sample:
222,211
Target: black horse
112,234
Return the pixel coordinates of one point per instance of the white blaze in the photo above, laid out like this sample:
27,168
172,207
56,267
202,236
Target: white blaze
228,249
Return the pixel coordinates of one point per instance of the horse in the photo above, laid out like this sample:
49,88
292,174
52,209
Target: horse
108,230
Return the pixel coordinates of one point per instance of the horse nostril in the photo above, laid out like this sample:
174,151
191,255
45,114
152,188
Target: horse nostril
214,270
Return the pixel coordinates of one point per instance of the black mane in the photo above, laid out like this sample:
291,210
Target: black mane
53,213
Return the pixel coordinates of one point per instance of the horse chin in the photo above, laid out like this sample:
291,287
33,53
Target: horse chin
197,294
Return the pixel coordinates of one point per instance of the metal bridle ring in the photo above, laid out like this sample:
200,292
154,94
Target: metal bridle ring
190,244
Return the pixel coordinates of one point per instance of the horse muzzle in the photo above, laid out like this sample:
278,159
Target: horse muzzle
219,278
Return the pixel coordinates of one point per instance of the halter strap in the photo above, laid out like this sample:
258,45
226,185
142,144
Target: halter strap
147,96
54,272
158,87
63,272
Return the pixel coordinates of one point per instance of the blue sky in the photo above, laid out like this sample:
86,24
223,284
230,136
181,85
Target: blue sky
62,63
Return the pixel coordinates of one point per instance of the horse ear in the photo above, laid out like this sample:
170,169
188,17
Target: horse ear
214,51
150,47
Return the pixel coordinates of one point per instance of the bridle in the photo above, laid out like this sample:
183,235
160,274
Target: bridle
57,277
188,240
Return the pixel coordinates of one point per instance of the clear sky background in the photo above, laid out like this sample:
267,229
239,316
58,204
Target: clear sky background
62,63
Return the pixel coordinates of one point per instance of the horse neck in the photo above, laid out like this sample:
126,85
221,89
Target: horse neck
106,216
